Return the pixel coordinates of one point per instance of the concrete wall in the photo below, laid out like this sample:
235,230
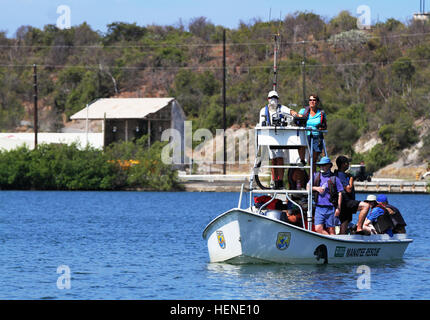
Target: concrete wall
12,140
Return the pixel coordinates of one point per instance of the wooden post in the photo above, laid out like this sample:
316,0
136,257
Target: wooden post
35,105
149,133
104,131
224,169
304,75
86,126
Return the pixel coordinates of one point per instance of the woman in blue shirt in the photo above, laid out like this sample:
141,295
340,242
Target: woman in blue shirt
316,119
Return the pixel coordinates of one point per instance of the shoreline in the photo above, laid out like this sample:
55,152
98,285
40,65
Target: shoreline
233,183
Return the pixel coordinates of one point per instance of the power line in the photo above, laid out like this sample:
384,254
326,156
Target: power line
298,64
162,45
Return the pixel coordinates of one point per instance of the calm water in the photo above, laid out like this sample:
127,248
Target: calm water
135,245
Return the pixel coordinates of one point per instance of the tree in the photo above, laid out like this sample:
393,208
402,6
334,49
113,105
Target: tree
341,136
342,22
121,31
202,28
404,70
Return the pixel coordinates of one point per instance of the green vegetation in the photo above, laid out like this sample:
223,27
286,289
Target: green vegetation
62,167
425,150
369,81
378,157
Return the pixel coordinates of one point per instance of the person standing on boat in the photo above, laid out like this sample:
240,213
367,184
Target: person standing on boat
317,119
349,204
328,198
266,119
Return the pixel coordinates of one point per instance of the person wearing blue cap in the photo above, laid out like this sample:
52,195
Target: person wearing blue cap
395,215
378,220
328,198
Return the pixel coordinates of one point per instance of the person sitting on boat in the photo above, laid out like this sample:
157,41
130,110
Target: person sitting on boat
266,119
317,119
395,215
328,198
378,221
294,216
349,204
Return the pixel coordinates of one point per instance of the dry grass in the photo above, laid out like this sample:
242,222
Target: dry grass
409,173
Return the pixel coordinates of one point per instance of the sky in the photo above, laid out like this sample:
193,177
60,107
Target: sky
98,14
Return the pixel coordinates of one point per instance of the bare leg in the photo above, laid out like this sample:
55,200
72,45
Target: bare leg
364,209
278,173
369,229
344,227
331,230
274,170
302,153
320,229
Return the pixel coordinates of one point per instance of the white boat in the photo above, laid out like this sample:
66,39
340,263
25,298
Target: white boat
256,235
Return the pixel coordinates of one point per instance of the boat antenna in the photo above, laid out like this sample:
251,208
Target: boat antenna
275,62
277,38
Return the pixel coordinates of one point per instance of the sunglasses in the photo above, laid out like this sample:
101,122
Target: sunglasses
312,99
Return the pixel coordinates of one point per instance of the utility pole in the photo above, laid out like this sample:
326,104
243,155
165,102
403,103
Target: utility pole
304,74
275,64
224,169
35,105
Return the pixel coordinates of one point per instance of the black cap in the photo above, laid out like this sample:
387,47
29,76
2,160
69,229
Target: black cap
341,160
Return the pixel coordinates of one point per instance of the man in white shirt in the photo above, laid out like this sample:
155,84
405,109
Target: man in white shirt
266,118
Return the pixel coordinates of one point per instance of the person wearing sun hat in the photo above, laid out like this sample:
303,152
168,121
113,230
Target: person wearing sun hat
378,220
276,155
328,197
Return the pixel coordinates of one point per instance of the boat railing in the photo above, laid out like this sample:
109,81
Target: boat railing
288,138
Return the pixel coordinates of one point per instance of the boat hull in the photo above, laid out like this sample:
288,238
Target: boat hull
240,236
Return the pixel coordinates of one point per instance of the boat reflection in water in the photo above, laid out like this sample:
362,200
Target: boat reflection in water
294,282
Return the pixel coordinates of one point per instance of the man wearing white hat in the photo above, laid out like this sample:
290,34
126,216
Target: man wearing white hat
266,118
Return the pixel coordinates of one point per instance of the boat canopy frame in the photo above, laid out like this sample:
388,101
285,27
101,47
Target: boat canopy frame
287,138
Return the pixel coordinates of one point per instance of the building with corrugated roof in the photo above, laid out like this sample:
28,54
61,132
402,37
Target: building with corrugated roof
127,119
122,119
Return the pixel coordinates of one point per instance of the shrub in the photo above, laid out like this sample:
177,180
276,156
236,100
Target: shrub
63,167
341,136
378,157
425,150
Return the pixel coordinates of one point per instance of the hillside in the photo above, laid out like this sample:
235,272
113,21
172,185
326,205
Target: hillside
373,83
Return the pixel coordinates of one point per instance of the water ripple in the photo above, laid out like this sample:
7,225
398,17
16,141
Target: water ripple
136,245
